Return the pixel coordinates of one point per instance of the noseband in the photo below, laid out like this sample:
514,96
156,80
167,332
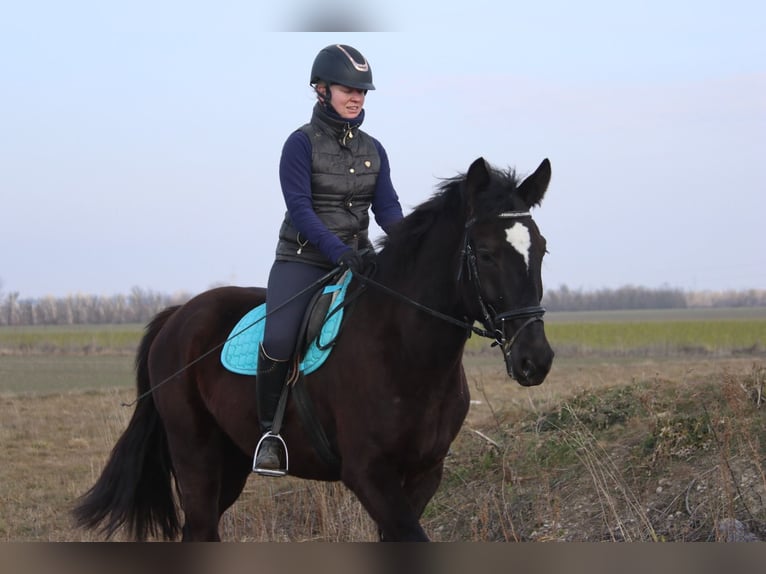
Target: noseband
492,320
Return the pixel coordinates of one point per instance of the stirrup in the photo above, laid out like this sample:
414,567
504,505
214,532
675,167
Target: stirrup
271,471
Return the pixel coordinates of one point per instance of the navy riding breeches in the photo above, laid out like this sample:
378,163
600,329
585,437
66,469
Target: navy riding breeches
281,330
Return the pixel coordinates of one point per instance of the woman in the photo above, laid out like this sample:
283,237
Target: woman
331,174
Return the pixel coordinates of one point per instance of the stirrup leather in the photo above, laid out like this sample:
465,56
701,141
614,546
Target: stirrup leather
271,471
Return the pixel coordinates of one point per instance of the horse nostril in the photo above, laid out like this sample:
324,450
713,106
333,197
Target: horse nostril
527,368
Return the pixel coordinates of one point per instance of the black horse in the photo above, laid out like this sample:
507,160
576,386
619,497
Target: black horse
390,399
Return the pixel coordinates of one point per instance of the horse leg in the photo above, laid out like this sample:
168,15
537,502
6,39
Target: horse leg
197,459
379,488
235,471
421,487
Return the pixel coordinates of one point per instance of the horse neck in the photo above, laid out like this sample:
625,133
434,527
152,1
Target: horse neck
429,278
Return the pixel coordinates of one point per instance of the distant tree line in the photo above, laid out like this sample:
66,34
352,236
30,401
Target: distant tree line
631,297
137,307
141,305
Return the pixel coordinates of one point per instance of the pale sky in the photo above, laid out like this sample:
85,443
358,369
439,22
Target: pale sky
140,141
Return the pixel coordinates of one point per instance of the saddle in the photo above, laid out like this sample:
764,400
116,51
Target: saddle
320,327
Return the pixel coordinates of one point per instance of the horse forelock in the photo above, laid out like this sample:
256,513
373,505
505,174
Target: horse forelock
499,196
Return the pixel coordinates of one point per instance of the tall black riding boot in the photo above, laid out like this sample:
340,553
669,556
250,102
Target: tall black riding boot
269,382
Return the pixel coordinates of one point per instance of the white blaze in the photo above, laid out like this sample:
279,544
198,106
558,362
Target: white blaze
518,236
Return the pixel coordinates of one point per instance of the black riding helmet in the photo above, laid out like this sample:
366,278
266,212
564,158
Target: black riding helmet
341,64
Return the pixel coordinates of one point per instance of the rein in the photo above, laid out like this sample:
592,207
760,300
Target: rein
314,285
490,318
433,312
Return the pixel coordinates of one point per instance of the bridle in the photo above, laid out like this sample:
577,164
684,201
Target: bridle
492,320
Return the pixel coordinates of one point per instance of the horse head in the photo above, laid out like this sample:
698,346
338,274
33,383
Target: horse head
501,262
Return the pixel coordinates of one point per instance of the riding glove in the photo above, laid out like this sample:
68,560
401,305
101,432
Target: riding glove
352,260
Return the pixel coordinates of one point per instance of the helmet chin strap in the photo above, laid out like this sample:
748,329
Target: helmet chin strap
324,98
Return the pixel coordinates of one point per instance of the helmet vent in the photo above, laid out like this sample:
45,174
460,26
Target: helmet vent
359,66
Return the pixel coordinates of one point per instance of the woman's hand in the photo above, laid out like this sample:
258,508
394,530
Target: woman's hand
358,261
352,260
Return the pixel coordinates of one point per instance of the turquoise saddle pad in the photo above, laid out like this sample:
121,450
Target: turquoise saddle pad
240,352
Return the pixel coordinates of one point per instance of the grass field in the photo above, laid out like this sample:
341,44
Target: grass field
665,332
646,439
85,339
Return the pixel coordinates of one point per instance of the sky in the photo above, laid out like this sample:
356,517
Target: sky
140,141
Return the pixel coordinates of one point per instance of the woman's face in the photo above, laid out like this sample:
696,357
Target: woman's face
348,102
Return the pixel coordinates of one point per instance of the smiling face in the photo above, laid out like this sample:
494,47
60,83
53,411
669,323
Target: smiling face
347,102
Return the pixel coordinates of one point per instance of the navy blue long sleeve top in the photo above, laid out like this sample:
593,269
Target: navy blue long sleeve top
295,180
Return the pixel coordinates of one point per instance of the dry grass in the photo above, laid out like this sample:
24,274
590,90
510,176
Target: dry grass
670,451
631,450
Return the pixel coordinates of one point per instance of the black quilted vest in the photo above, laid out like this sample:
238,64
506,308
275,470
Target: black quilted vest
344,170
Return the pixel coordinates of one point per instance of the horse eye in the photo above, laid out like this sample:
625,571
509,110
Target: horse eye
485,256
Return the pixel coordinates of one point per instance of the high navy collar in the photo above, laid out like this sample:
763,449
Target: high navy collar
331,118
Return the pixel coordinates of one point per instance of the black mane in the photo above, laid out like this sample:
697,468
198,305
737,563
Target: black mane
447,208
408,233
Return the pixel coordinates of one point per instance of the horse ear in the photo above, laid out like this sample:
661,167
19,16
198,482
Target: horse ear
533,188
476,180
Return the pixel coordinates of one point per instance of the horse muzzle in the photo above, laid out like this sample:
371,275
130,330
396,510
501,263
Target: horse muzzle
528,355
529,372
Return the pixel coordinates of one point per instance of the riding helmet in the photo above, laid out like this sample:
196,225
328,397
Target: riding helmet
342,64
